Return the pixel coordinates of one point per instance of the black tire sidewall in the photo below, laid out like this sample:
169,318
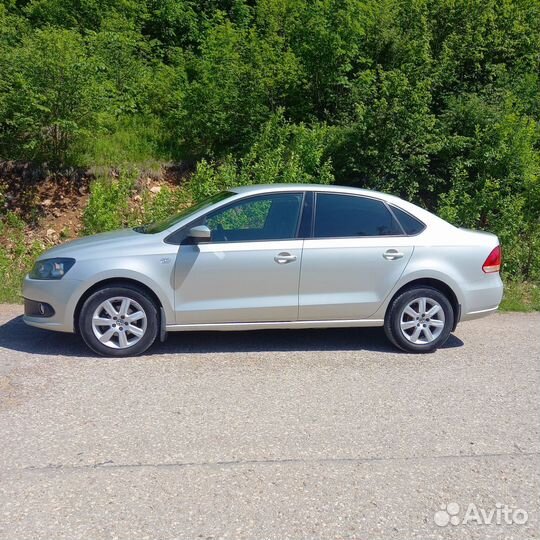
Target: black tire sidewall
93,301
392,321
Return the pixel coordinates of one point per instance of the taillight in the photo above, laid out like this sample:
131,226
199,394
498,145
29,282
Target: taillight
494,261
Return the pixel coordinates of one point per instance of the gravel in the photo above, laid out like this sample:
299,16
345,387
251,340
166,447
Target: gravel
276,434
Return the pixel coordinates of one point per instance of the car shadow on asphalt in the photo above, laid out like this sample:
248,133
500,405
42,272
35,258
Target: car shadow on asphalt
17,336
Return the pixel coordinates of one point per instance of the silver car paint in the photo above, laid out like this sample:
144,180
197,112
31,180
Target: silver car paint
241,282
332,282
347,278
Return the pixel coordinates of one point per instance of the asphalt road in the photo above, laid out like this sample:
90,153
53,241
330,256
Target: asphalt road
278,434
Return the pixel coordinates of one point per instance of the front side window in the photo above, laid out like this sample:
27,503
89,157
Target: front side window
265,217
338,216
160,226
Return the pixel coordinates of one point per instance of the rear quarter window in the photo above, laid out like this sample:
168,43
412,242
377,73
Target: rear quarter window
410,224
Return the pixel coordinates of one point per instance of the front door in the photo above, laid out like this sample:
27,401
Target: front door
249,271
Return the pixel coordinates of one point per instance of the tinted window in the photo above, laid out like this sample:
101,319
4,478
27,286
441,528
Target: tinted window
410,224
267,217
343,215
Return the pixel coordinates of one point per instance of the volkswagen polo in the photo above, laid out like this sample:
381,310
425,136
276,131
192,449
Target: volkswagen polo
270,256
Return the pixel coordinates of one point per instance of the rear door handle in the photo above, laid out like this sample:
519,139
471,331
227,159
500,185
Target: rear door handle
392,254
284,258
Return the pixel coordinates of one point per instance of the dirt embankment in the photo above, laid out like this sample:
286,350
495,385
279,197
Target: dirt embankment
52,203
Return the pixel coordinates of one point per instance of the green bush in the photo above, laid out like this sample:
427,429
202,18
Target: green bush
236,82
288,153
125,73
125,201
210,178
17,255
282,153
167,202
109,204
48,96
495,180
125,141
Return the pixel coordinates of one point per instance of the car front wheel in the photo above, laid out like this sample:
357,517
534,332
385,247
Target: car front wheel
419,320
119,321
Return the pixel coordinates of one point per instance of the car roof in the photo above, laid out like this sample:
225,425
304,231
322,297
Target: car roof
265,188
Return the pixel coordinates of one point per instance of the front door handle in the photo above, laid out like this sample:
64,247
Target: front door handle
284,258
392,254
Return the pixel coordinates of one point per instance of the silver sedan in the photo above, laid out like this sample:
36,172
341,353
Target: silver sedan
270,256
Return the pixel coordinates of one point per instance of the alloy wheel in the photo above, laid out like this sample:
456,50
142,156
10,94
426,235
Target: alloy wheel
422,320
119,322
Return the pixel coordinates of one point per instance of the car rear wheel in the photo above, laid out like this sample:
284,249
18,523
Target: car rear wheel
419,320
119,321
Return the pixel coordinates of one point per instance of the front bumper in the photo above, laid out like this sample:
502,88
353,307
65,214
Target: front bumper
61,297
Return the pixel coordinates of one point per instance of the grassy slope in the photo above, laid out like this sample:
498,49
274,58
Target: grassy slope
521,297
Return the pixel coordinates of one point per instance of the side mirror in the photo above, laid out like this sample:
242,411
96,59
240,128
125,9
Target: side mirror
200,234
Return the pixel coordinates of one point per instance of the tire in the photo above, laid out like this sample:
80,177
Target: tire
423,334
132,332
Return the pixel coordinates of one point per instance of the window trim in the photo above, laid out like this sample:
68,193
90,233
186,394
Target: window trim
360,196
243,199
308,213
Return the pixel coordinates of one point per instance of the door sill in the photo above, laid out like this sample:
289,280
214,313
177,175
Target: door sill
275,325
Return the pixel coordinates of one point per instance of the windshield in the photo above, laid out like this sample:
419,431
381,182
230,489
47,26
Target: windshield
160,226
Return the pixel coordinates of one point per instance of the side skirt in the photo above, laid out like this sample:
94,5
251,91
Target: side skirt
290,325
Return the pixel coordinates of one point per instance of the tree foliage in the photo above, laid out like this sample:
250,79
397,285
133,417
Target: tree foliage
434,100
48,95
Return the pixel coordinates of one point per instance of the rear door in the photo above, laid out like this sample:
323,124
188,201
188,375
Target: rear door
356,254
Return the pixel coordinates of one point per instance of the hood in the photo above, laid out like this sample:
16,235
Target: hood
101,244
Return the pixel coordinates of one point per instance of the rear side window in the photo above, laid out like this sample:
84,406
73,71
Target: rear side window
410,224
338,216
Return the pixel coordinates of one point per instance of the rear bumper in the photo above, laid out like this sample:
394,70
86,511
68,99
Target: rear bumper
479,314
482,298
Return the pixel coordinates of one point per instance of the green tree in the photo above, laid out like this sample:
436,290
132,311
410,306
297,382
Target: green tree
434,100
49,96
282,153
238,81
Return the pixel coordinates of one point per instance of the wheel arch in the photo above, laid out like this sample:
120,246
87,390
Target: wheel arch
114,281
436,284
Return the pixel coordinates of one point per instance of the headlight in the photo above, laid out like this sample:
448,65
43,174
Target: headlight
51,268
